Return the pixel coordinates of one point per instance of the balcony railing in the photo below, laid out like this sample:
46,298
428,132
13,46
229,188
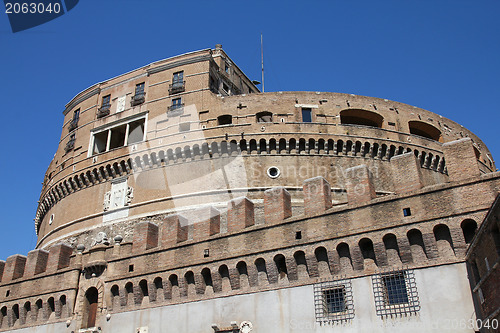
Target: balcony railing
69,145
73,124
176,107
138,98
177,87
103,110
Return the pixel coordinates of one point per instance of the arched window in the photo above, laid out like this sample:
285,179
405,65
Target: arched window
443,238
300,260
366,247
3,317
90,313
417,245
344,255
361,117
280,262
425,130
469,228
322,259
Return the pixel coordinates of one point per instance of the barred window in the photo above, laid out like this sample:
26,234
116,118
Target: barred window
333,302
395,293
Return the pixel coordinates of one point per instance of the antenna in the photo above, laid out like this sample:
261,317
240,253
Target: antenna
262,59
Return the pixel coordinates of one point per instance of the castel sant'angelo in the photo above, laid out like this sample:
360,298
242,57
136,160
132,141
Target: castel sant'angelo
182,199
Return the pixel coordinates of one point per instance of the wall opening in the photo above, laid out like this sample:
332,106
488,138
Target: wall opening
264,117
90,313
226,119
469,228
361,117
425,130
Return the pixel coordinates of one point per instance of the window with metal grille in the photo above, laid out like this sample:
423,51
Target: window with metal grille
395,293
333,302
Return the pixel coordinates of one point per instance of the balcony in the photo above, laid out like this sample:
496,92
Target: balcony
177,87
70,145
73,124
138,98
103,110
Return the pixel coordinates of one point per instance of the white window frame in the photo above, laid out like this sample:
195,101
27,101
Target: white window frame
110,126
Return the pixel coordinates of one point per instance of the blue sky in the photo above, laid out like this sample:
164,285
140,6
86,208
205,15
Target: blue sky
440,55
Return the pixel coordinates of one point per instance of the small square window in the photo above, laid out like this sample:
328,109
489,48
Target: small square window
206,253
225,87
406,212
306,115
298,235
130,268
176,104
334,300
226,68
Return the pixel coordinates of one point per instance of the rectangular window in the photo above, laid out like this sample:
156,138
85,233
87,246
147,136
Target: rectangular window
395,293
406,212
118,135
178,77
178,84
176,104
106,100
395,288
73,124
140,95
139,88
306,115
333,302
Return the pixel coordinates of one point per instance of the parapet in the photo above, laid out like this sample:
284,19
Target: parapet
37,262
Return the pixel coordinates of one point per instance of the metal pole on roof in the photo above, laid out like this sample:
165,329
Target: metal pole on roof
262,59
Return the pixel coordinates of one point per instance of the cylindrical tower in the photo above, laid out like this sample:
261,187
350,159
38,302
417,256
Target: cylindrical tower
193,130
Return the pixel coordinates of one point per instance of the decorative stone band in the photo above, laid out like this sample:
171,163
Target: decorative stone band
155,158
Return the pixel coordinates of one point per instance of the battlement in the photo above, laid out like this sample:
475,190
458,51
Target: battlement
176,258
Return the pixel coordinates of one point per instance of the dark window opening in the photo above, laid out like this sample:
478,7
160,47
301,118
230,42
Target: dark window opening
226,119
495,234
121,135
361,117
298,235
306,115
206,253
225,87
264,117
469,228
7,293
334,300
425,130
406,212
395,288
130,268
